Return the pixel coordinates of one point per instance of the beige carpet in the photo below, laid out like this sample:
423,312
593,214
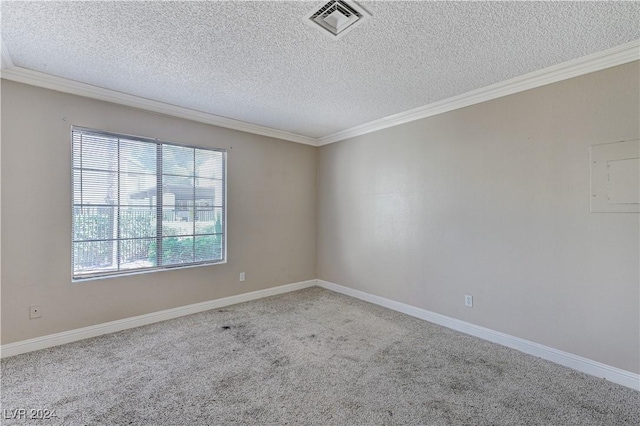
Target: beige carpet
310,357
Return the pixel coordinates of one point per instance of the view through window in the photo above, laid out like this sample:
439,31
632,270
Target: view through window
140,204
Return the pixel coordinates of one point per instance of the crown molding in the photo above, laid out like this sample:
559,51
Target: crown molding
6,61
47,81
619,55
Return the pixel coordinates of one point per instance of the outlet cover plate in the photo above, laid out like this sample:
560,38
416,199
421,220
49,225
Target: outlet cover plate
35,311
468,301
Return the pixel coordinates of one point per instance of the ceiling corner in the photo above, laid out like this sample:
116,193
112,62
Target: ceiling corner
7,62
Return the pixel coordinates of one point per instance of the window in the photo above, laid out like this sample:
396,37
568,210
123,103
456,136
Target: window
142,205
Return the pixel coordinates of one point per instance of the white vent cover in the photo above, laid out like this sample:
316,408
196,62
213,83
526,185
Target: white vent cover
337,17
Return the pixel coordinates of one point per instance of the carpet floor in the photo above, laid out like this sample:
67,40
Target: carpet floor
311,357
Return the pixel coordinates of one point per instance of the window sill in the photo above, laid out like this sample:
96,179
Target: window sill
148,271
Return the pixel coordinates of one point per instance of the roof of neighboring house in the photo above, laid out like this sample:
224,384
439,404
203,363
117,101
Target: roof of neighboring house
181,192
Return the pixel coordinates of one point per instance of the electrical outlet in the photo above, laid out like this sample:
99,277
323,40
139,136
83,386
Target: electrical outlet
241,276
468,301
35,311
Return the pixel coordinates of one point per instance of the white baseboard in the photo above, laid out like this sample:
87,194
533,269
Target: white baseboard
585,365
137,321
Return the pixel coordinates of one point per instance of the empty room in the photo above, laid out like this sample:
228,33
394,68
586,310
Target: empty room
320,213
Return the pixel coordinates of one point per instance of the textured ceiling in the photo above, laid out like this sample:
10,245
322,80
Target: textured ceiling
259,62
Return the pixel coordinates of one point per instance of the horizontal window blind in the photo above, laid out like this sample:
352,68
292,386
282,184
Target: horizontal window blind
140,204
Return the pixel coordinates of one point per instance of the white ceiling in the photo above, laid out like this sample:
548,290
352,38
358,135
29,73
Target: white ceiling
259,62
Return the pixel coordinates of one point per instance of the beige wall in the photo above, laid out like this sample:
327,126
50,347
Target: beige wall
493,201
271,215
490,200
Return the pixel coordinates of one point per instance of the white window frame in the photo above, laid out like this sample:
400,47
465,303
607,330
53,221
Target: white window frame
77,277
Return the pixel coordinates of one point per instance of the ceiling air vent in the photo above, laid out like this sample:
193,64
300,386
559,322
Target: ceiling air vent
337,17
